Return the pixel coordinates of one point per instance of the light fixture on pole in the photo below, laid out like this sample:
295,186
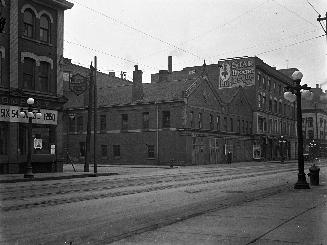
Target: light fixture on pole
289,95
282,141
30,114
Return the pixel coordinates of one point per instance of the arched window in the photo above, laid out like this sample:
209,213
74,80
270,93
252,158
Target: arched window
29,22
44,29
44,77
29,73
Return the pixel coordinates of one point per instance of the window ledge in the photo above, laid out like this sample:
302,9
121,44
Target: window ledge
37,41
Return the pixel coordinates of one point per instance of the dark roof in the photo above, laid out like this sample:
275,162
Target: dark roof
153,92
288,72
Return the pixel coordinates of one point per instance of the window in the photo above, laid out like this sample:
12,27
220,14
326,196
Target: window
116,150
259,100
44,29
29,73
124,121
211,122
280,108
231,124
44,77
275,106
247,127
150,151
4,136
29,22
268,83
259,80
82,149
261,123
264,82
321,122
310,122
72,124
270,105
103,122
80,124
285,111
1,79
166,119
218,123
145,120
104,150
200,120
192,119
225,123
264,102
243,125
238,126
66,76
310,134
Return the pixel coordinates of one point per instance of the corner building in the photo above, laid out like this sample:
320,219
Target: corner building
31,58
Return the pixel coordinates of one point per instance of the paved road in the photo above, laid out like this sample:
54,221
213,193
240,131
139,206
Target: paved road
105,209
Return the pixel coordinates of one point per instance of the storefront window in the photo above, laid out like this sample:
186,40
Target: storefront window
46,135
4,129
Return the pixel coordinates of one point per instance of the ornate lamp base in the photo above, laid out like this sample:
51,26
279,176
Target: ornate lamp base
301,182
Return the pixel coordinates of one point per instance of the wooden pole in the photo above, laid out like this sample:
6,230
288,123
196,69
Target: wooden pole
95,115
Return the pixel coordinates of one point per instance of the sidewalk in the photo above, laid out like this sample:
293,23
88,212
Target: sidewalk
107,170
292,217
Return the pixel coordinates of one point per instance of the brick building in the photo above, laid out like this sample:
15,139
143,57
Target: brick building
263,88
182,119
314,124
31,55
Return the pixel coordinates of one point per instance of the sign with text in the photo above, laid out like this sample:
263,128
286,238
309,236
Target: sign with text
237,72
11,114
37,143
78,84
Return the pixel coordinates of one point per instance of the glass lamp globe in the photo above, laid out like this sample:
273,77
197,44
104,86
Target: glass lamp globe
30,101
289,96
30,114
22,113
38,114
297,75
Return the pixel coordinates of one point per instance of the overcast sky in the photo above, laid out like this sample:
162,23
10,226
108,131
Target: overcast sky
283,33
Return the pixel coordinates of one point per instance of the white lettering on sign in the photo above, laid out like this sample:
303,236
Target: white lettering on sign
11,114
234,73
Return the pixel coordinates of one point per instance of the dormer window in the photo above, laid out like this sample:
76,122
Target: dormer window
44,29
29,22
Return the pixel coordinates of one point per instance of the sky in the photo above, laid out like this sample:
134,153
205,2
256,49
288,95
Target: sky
124,33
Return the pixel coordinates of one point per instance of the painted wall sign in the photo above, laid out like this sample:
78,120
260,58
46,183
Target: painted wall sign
235,73
11,114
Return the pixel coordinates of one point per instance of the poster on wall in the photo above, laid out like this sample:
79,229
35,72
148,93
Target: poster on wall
236,72
257,152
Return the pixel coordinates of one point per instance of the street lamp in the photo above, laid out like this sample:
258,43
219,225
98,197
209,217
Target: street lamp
294,92
312,148
30,114
282,141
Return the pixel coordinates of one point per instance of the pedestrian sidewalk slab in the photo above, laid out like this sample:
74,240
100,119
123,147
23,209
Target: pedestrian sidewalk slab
291,217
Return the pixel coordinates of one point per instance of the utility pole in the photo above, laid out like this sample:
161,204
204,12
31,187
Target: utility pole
319,19
89,121
95,114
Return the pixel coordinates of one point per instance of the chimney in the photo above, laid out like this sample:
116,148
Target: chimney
163,75
170,64
317,85
112,74
137,89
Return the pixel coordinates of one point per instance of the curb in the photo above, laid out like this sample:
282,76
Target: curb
57,177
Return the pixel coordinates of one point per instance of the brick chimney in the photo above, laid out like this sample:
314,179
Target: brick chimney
163,76
170,64
137,90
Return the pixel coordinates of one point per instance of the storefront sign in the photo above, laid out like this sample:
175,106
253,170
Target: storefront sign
78,84
235,73
53,149
11,114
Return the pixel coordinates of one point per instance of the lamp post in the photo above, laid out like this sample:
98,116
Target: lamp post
294,93
312,147
30,114
282,141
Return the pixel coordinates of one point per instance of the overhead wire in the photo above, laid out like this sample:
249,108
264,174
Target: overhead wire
313,7
292,44
137,30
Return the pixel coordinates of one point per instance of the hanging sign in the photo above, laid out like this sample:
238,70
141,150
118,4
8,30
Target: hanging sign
78,84
236,72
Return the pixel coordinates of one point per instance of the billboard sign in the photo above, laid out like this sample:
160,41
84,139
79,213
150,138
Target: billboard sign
236,72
